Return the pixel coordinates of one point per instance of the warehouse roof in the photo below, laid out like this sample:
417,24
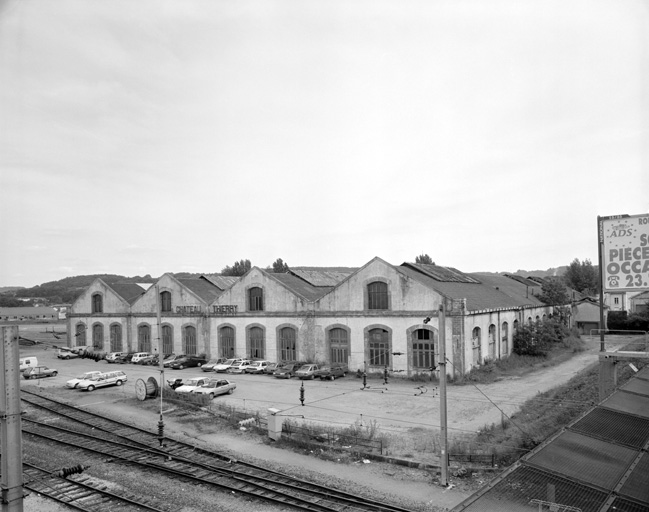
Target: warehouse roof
127,291
301,287
202,287
223,282
599,462
322,276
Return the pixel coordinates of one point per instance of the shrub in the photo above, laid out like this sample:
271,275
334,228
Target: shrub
537,339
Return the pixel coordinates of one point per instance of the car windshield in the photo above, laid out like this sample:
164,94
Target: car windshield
193,382
84,376
229,361
209,385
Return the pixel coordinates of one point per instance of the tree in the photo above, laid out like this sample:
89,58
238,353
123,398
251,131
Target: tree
424,258
582,276
238,269
554,293
279,267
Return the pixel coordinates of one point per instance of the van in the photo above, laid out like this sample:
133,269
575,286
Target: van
28,362
139,355
66,353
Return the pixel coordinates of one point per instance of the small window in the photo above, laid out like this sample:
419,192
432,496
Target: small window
97,303
255,299
377,295
616,300
165,302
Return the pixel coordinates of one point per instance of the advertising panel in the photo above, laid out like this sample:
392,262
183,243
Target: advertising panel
624,245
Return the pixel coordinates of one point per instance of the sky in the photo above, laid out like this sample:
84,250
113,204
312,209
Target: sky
152,136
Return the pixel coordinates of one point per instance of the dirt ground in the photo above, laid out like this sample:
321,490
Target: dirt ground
398,408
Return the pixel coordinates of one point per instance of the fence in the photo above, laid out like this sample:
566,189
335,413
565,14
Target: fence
637,346
298,433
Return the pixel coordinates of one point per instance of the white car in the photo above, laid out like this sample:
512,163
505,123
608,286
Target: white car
256,367
216,387
66,353
191,384
139,355
220,368
112,357
104,379
73,383
239,367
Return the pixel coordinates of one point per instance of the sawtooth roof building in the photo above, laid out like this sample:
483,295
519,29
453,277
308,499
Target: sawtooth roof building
370,317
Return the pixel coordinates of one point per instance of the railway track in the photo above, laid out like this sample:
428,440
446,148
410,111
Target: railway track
140,447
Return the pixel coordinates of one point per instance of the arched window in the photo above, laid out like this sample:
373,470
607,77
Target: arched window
287,344
515,326
97,303
256,343
476,345
144,338
167,340
379,348
492,342
504,340
255,299
339,346
115,338
423,349
226,339
80,335
189,340
377,295
98,336
165,302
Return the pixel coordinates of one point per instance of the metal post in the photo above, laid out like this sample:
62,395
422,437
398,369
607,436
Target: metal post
442,396
10,427
600,258
160,362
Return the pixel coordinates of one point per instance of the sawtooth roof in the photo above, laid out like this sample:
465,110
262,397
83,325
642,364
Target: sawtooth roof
599,462
202,287
223,282
300,286
130,292
322,277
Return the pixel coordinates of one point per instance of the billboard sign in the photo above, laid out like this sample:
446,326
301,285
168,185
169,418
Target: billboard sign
624,246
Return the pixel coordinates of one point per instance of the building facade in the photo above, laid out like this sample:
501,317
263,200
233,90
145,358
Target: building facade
371,318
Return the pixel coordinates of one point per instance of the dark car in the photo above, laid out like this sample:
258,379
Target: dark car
149,360
270,369
38,372
331,372
125,358
188,362
286,371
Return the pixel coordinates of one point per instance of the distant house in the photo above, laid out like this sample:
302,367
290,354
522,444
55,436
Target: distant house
62,309
639,303
28,313
585,315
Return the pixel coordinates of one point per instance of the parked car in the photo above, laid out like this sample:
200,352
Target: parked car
190,385
38,372
171,358
287,370
223,367
307,371
216,387
188,362
116,378
149,360
125,358
66,353
111,357
84,376
139,355
239,367
257,367
331,372
209,366
271,367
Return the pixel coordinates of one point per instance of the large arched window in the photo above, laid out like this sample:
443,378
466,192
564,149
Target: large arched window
476,345
255,299
377,295
339,346
423,349
189,340
287,344
504,340
167,340
80,335
116,338
256,343
97,303
379,347
98,336
165,302
144,338
492,341
226,342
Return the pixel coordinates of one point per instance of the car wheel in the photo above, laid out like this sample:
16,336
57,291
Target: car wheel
200,364
181,367
32,376
54,374
211,396
332,377
118,383
230,391
91,388
311,377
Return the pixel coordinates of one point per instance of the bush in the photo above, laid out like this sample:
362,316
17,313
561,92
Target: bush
621,321
537,339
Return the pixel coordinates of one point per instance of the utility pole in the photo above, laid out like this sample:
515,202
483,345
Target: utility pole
10,427
442,395
161,425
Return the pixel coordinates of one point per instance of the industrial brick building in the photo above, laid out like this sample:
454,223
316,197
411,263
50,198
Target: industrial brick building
368,318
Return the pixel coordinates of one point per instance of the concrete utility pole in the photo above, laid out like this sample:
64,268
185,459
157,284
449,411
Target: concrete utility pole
442,396
10,427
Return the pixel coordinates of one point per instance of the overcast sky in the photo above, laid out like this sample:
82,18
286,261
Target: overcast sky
151,136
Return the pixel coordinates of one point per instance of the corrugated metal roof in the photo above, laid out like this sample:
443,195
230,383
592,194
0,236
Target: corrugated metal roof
442,274
301,287
128,291
223,282
204,288
598,463
321,277
513,288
